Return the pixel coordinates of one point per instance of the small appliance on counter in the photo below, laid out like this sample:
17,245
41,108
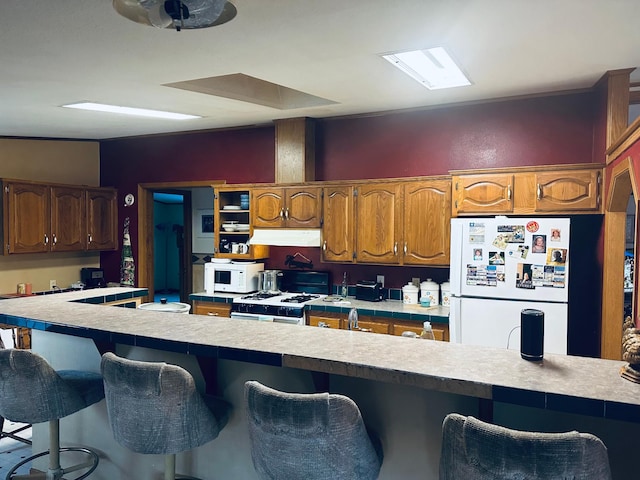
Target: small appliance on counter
369,290
92,277
231,277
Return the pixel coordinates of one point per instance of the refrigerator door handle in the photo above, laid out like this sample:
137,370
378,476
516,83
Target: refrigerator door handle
455,268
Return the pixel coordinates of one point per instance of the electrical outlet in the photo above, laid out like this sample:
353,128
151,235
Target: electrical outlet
416,281
380,279
52,284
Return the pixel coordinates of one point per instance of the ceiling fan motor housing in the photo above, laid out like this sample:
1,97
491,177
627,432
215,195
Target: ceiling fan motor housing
176,9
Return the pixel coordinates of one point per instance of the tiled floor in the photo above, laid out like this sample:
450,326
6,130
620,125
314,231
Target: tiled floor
13,451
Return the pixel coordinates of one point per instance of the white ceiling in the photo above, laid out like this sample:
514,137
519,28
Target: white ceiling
54,52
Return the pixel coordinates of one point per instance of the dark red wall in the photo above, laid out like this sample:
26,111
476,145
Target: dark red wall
540,131
556,129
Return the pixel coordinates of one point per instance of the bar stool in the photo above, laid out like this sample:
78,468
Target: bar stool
154,408
309,436
477,450
31,391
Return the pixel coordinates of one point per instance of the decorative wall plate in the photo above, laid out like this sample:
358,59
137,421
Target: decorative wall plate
129,199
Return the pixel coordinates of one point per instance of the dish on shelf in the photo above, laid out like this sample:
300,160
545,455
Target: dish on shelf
243,227
229,227
220,260
231,207
230,222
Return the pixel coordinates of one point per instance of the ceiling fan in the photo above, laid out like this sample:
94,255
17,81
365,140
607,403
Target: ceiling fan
177,14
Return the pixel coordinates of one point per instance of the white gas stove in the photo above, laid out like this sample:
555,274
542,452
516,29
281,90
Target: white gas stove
283,307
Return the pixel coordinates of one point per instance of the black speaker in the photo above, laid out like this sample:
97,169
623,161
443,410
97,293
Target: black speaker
532,334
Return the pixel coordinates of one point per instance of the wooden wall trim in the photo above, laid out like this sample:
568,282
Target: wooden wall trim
621,185
616,84
528,169
295,150
630,136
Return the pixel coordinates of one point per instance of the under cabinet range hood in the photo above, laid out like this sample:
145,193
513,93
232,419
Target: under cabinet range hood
284,237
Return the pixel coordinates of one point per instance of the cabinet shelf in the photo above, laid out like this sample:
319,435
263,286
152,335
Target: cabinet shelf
223,241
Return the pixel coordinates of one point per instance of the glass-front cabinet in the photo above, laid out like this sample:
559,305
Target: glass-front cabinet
232,225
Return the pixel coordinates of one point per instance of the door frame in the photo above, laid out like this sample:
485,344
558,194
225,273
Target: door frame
622,185
146,230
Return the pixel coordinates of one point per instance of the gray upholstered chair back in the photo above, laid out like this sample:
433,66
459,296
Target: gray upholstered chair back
308,436
31,391
154,407
472,449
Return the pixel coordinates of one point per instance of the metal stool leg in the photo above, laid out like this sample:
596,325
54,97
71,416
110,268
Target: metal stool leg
12,433
55,471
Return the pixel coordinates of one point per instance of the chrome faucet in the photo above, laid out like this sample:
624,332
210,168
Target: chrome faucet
353,320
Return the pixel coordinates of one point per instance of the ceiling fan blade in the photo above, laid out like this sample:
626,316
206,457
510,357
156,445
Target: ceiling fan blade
146,12
202,13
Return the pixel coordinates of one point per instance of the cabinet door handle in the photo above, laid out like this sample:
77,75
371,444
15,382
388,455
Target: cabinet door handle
509,192
54,239
213,314
324,246
286,214
282,213
395,248
46,239
539,192
89,238
405,248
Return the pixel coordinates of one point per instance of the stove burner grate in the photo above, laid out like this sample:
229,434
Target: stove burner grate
300,298
261,296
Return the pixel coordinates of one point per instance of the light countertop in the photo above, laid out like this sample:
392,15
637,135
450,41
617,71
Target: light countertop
386,308
566,383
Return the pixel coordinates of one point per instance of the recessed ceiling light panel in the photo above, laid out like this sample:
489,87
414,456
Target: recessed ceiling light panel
141,112
432,67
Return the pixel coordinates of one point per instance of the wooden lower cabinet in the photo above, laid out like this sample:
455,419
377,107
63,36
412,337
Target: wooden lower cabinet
327,320
213,309
440,331
375,324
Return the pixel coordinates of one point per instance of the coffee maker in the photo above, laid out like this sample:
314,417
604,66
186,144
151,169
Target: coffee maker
92,277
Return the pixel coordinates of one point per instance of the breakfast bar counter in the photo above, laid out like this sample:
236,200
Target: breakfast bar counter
404,386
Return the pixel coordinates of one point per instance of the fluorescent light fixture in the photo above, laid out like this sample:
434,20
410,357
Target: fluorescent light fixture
141,112
432,67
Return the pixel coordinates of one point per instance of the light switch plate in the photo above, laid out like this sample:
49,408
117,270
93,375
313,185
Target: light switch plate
380,279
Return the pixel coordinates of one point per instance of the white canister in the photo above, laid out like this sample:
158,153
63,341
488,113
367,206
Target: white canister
410,294
445,291
431,290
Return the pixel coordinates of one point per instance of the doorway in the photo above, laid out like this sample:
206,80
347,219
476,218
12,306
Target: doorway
168,246
146,233
622,189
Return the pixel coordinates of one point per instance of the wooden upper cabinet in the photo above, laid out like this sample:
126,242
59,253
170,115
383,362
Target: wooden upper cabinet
553,189
102,219
292,207
567,191
427,218
268,207
337,227
27,228
41,218
68,219
379,223
483,193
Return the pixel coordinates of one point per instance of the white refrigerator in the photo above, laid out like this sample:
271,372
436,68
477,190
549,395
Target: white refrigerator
501,266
